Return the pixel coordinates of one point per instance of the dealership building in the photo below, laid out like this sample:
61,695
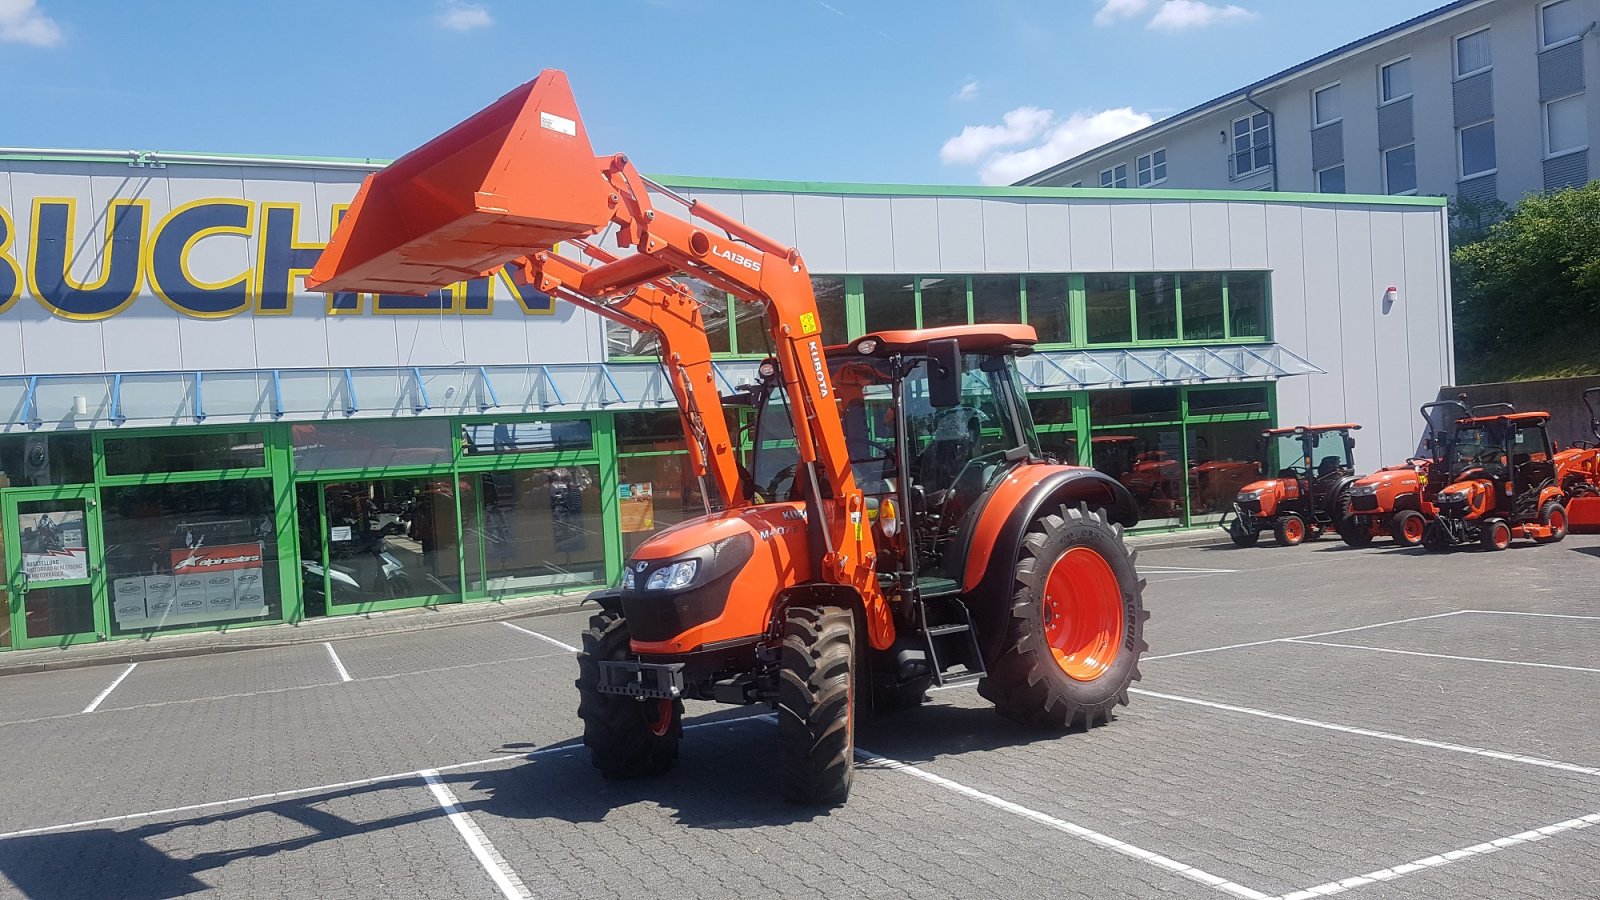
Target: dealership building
189,440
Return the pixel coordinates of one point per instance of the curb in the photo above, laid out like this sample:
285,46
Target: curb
1201,537
27,662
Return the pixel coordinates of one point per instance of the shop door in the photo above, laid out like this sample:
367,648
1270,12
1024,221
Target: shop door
55,569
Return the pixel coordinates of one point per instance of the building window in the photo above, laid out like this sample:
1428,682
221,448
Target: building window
1331,180
944,300
1153,168
1561,22
1115,177
1325,108
1400,170
1476,146
1473,54
1050,307
1108,309
890,302
1077,184
1566,126
1394,81
1252,144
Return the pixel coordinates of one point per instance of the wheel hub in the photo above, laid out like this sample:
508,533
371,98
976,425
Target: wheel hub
1082,614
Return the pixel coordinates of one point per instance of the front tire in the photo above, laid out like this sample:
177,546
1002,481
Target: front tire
1553,516
1241,536
816,704
1408,527
626,737
1290,530
1072,644
1435,539
1353,533
1496,535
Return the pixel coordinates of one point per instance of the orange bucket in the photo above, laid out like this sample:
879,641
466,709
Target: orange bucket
517,178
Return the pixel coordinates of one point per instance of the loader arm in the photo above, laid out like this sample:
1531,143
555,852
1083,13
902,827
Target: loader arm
519,178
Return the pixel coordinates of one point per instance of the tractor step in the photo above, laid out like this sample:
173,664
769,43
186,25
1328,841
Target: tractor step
967,654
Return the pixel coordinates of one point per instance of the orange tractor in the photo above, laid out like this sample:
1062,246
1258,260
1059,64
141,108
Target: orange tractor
1315,468
1503,483
1398,500
885,552
1578,468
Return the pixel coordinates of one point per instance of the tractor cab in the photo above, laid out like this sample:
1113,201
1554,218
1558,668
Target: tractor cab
1501,484
1315,466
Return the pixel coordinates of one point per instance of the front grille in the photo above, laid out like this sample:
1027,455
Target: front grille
1253,507
1364,503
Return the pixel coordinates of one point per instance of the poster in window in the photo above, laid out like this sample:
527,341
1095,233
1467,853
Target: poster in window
638,505
54,545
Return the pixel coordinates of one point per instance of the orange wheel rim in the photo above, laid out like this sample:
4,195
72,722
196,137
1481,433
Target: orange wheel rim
663,720
1083,614
1558,521
1502,536
1293,530
1413,528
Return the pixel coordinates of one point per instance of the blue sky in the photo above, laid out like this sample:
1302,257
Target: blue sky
815,90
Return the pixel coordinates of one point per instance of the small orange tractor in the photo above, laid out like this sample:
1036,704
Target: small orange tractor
912,533
1579,470
1315,468
1398,500
1503,483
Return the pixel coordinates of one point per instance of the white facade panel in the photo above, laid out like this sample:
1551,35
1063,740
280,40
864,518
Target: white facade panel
1359,358
1005,235
1050,236
961,234
1131,247
1290,298
915,231
1090,238
819,232
869,235
1171,236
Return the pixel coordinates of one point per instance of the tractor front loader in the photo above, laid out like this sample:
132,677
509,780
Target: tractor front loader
906,529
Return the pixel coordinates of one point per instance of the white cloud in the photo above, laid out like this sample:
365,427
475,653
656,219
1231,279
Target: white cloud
21,23
1112,11
1041,139
461,16
969,91
1182,15
1021,125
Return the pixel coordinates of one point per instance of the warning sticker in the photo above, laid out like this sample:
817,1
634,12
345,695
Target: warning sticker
558,123
808,324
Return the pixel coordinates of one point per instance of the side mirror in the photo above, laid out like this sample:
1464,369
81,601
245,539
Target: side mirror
944,373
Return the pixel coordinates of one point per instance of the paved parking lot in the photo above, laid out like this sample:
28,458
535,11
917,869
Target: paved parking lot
1311,721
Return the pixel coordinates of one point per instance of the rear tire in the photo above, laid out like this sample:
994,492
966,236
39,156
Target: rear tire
1353,533
626,737
1290,530
1496,535
1408,527
1076,585
1553,515
816,704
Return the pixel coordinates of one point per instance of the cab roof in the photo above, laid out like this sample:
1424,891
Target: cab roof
1310,429
972,338
1532,417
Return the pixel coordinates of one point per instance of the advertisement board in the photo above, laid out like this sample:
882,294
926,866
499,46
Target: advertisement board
207,584
54,545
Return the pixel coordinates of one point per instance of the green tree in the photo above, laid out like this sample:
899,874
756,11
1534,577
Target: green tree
1528,292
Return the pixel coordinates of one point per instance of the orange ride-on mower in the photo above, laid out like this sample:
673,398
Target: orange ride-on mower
898,525
1503,484
1315,468
1578,468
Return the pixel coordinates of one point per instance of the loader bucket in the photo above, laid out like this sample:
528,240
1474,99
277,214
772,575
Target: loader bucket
518,177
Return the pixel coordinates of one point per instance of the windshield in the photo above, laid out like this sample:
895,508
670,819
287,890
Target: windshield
1481,445
1310,456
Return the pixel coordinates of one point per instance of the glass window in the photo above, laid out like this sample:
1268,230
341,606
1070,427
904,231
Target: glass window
1223,457
478,438
1107,309
624,341
186,555
1115,177
1133,406
1052,417
1051,411
1472,53
186,453
829,290
1477,149
387,539
1157,306
322,446
1331,180
1247,304
655,492
45,458
1148,462
1050,308
1400,169
944,300
1152,168
541,528
1220,401
997,299
1325,105
1202,307
1395,80
645,432
1561,21
1566,123
889,301
1252,144
750,329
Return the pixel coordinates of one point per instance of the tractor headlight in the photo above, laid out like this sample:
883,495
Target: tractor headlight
673,576
627,578
1248,496
1363,490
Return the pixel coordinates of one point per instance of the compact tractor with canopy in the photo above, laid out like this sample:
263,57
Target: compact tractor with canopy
1315,467
1503,483
915,533
1578,467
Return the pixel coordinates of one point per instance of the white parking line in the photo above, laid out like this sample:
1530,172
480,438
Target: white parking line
500,872
1481,659
1382,735
95,703
1078,831
543,637
1299,637
1508,612
1184,570
1433,862
337,663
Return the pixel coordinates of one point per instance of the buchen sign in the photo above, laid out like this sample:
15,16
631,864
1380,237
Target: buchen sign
138,251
